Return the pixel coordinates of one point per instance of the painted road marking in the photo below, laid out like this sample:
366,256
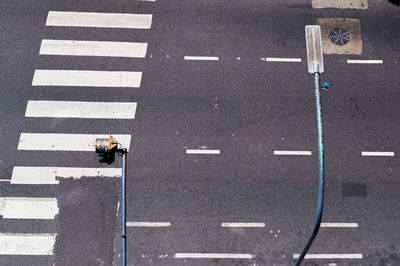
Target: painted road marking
27,244
65,142
343,4
93,48
364,61
148,224
330,256
203,58
344,225
49,175
191,151
90,78
243,224
99,20
292,152
28,208
212,256
69,109
377,153
276,59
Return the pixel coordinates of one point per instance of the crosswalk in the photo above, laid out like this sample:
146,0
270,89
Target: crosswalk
46,208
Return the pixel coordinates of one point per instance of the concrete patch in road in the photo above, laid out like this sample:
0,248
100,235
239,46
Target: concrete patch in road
354,190
86,221
353,26
342,4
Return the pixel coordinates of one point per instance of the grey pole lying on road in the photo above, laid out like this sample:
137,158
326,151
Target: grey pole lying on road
123,206
316,66
106,148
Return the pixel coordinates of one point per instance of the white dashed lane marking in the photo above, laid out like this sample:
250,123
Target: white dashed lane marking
340,225
27,244
202,58
93,48
349,61
148,224
49,175
99,20
68,109
212,256
377,153
243,224
28,208
65,142
287,60
276,152
200,151
89,78
330,256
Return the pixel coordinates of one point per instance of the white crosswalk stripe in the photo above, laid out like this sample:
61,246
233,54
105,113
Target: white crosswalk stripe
93,48
49,175
99,20
28,208
88,78
27,244
70,109
65,142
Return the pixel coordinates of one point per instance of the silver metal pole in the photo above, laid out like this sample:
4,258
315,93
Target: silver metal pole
123,206
321,184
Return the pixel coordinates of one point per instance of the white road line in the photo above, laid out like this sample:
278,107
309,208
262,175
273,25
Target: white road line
377,153
148,224
212,256
276,59
49,175
330,256
93,48
28,208
191,151
69,109
27,244
202,58
99,20
292,152
65,142
344,225
90,78
364,61
243,224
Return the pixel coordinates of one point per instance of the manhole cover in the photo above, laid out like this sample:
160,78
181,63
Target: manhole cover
339,36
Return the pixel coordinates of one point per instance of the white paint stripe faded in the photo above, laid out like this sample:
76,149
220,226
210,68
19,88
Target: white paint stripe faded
276,59
364,61
27,244
29,208
191,151
49,175
202,58
340,225
330,256
69,109
89,78
243,224
377,153
65,142
292,152
148,224
99,20
93,48
212,256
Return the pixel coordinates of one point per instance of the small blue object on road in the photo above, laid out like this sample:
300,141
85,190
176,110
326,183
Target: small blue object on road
326,85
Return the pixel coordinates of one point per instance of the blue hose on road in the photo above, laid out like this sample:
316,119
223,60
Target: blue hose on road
321,184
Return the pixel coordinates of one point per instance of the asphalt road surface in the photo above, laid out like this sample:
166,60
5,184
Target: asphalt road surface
214,101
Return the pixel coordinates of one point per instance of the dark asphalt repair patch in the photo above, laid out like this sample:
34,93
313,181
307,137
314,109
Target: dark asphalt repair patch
86,221
354,190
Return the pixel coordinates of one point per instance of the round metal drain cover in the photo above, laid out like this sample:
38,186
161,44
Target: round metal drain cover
339,36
